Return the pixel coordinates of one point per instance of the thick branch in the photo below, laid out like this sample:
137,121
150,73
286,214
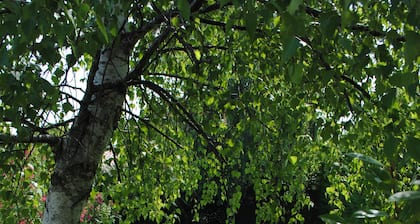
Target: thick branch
142,64
48,139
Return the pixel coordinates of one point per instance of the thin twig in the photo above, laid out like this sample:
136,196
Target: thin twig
185,114
141,65
182,78
150,125
193,47
114,155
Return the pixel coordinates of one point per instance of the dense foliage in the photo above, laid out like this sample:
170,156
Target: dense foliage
240,102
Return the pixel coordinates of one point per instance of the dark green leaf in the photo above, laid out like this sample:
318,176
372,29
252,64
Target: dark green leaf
102,29
389,98
332,219
296,73
412,45
251,23
184,8
4,58
365,158
390,147
290,49
405,196
413,147
294,6
370,213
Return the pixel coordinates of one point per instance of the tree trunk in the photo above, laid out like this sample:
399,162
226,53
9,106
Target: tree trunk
79,153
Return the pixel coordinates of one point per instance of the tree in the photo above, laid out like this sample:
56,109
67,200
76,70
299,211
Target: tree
193,104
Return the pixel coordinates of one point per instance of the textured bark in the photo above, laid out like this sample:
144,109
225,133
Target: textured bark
78,155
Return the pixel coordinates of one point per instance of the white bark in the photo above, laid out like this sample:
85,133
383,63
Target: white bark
80,152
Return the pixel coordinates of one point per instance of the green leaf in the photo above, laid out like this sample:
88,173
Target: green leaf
294,6
296,73
389,98
370,213
329,24
184,8
290,49
382,175
251,23
413,147
405,196
390,147
347,18
332,219
210,101
67,107
102,28
4,58
412,45
293,159
365,158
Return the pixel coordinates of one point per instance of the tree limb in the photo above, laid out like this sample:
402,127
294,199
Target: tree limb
141,65
355,85
182,78
185,114
193,47
316,13
150,125
44,138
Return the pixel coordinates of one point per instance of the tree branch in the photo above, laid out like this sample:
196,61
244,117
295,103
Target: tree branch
316,13
185,114
148,124
193,47
45,138
182,78
221,24
355,85
115,162
327,66
142,64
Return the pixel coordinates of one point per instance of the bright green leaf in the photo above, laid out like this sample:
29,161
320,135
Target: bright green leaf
293,159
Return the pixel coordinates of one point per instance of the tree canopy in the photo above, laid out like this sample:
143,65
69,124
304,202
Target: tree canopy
184,111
